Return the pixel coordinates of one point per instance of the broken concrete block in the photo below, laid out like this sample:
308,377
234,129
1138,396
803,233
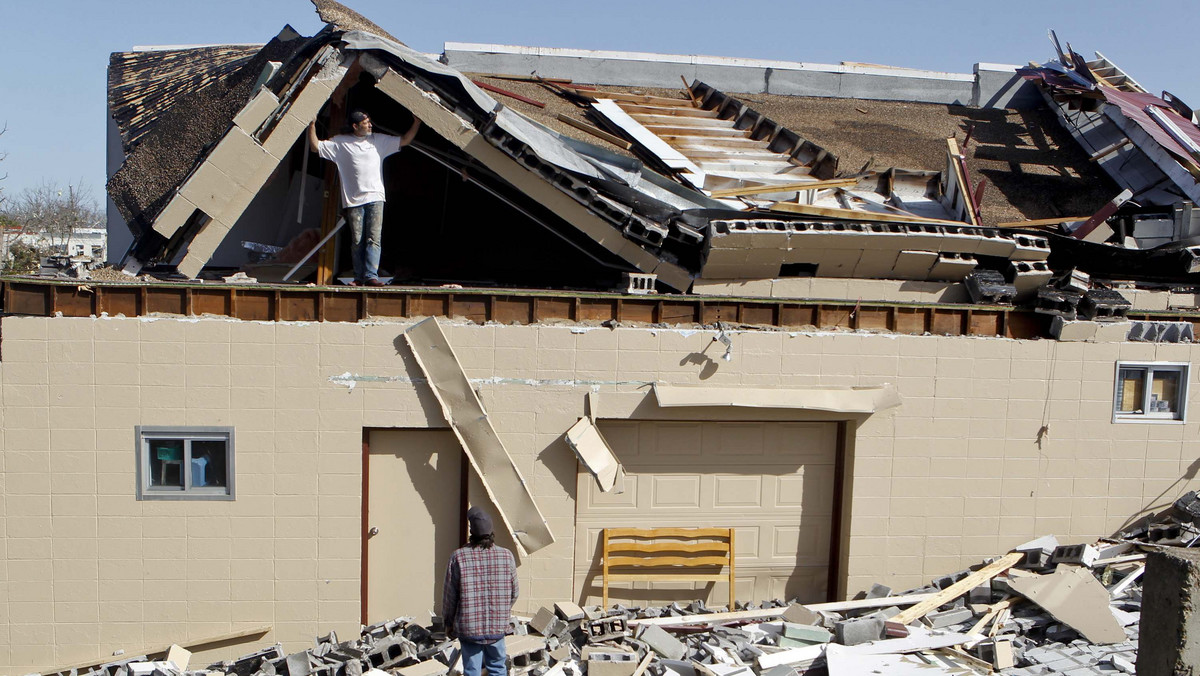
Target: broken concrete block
945,618
662,643
568,611
542,621
800,635
989,286
426,668
299,664
1104,304
878,591
800,614
1079,555
1067,330
611,664
853,632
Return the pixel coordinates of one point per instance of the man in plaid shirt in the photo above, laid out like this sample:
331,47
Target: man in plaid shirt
477,600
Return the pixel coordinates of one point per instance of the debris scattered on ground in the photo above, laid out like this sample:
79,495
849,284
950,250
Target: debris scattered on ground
1045,608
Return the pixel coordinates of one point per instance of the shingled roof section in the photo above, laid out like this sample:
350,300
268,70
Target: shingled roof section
169,150
143,85
343,17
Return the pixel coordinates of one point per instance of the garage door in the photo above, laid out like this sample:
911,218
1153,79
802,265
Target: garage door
772,481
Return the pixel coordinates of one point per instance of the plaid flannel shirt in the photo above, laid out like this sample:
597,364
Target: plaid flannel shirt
480,590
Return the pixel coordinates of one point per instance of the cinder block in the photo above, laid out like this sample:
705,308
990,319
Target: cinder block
952,267
569,611
243,160
914,264
876,263
283,136
611,664
662,643
946,618
1081,555
178,210
800,635
210,189
251,117
1068,330
800,614
310,100
853,632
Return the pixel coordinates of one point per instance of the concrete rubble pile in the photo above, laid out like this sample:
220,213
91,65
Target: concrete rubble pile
1044,608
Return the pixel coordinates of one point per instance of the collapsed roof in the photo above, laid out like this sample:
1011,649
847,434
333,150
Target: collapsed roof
701,186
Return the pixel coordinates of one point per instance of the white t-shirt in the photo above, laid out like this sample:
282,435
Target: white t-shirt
360,164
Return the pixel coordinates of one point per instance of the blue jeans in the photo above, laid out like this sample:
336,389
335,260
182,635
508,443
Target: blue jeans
366,219
478,655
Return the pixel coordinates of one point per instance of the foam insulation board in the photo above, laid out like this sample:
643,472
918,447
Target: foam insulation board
1076,598
596,455
482,446
852,400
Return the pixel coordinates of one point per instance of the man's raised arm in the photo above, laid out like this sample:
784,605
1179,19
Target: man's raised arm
411,133
313,141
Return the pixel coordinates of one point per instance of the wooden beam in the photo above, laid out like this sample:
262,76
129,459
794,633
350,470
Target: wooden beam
769,613
958,167
504,92
1109,150
855,215
959,588
595,131
784,187
1041,222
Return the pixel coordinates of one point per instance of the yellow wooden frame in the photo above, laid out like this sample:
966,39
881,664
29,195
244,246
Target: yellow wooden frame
668,548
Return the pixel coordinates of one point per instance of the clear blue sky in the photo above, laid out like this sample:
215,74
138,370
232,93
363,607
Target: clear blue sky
55,52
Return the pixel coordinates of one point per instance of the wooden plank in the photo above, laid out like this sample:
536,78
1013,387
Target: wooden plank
959,588
667,561
771,613
666,577
641,668
640,98
595,131
677,111
668,546
785,187
853,214
504,92
668,532
1041,221
958,168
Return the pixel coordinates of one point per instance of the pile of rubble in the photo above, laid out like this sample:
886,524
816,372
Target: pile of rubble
1044,608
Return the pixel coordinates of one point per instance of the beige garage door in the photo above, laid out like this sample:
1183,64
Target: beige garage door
771,481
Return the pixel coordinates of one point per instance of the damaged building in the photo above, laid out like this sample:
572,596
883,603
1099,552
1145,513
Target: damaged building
880,323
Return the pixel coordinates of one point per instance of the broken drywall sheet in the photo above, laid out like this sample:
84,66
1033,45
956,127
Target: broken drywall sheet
482,446
852,400
840,663
596,455
1076,598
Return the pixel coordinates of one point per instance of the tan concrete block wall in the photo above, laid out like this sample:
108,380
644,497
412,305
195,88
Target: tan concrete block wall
955,474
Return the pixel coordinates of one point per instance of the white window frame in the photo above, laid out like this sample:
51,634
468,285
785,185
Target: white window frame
145,434
1178,417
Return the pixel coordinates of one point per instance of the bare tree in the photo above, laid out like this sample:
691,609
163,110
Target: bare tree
55,214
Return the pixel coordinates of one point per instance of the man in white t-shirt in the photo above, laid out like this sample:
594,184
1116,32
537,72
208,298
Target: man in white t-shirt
359,159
